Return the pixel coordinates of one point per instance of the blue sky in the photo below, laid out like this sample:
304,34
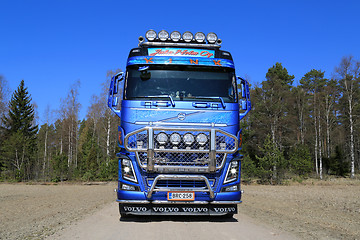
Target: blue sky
52,44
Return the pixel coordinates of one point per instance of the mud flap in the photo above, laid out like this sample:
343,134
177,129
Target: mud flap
178,209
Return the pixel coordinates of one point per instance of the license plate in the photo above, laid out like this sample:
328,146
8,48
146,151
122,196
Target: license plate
181,196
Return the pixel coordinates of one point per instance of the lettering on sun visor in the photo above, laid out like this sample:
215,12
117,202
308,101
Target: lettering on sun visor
181,52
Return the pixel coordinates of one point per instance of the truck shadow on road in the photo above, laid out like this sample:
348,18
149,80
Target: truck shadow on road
182,218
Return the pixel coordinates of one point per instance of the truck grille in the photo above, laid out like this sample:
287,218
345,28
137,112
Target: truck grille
181,156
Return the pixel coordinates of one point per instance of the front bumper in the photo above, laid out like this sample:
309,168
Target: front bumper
215,208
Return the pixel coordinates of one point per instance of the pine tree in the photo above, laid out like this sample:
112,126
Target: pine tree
20,135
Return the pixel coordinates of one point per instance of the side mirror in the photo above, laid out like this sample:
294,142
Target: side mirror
244,102
114,86
117,78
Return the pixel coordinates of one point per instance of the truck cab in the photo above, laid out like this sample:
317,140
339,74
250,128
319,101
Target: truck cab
179,133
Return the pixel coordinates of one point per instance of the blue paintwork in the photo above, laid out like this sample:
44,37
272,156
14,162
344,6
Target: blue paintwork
195,61
135,114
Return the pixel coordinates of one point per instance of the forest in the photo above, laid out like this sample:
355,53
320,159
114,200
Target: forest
297,128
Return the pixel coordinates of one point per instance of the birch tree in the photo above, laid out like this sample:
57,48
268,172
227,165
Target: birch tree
313,82
348,73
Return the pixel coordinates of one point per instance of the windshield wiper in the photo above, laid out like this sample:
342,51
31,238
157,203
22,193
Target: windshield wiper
220,98
160,96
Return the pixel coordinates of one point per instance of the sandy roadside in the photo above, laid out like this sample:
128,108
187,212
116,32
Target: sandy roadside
330,210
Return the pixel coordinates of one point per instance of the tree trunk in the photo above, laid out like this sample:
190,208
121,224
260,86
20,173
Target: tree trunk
352,151
320,149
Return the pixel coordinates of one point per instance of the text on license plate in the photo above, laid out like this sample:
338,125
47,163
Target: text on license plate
181,196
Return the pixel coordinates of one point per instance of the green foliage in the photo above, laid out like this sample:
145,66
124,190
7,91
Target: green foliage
337,163
21,114
271,163
60,167
300,160
108,171
19,146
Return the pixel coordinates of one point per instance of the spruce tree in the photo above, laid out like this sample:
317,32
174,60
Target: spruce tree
21,114
18,150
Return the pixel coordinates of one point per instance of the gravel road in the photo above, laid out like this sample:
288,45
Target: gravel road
105,225
320,210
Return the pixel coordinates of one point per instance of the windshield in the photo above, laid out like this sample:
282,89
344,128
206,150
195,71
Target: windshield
181,83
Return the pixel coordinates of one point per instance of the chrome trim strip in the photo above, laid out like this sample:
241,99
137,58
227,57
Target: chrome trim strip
179,202
180,177
182,124
133,201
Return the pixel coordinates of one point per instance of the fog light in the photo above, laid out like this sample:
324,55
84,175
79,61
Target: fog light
127,187
234,188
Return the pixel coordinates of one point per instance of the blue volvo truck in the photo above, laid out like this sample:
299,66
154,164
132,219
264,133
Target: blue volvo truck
180,104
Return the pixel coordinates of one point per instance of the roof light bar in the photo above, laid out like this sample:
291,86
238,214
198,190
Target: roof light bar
187,37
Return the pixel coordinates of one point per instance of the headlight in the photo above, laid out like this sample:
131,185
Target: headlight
211,37
232,172
150,35
175,36
162,138
163,35
201,139
188,138
187,36
175,138
127,170
200,37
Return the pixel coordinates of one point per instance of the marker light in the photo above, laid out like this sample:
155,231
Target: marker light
188,138
175,36
162,138
187,36
200,37
211,37
163,35
150,35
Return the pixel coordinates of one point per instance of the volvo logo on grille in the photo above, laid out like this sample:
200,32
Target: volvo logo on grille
181,116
